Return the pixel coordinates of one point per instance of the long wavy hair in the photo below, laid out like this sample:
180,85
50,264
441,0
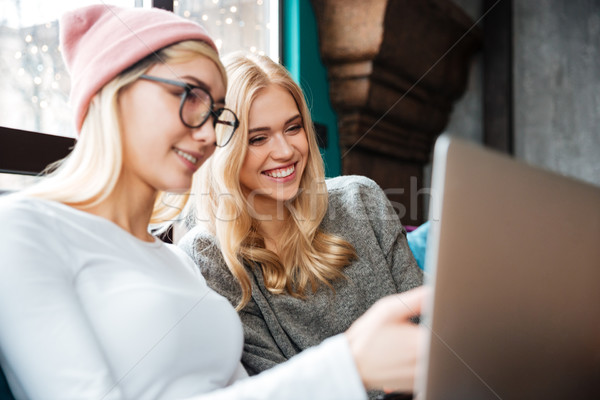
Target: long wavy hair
89,174
308,256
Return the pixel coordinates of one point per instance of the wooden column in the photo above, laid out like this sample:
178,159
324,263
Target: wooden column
395,67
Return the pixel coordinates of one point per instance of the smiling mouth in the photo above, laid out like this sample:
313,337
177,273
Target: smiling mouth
281,172
185,155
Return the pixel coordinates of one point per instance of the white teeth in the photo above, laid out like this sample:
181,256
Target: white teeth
282,173
187,156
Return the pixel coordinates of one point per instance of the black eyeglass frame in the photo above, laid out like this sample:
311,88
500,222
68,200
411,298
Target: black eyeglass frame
217,113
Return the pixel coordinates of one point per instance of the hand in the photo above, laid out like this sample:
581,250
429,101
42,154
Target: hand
384,342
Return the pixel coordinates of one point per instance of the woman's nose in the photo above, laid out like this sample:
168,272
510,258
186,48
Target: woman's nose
205,133
282,148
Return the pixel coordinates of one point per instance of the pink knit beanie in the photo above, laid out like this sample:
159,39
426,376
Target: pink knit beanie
100,41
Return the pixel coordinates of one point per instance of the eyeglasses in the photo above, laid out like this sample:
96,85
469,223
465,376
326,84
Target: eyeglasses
197,106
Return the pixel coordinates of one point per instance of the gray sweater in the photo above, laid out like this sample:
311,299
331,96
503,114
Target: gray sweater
277,327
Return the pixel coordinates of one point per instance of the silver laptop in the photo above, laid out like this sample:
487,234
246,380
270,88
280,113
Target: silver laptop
514,262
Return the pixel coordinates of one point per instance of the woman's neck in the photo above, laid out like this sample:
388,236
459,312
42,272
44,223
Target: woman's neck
271,230
130,209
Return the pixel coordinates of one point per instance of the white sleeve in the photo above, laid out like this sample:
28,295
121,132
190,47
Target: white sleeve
323,372
47,348
49,351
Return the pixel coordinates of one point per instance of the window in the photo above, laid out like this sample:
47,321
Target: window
34,90
250,25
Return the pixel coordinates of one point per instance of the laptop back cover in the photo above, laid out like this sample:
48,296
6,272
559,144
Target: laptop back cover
514,260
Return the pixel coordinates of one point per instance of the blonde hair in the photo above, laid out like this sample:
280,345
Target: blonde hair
88,175
308,256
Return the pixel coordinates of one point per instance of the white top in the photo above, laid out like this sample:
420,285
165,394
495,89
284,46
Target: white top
88,311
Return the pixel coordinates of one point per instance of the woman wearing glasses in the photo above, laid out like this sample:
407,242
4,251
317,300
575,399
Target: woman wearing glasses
300,256
91,304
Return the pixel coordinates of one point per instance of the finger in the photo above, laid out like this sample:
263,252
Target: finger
412,302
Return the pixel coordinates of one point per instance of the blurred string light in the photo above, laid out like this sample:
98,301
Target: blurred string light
240,25
35,95
36,68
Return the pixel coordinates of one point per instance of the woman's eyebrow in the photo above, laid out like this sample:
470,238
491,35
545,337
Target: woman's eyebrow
292,119
266,128
203,85
196,82
262,128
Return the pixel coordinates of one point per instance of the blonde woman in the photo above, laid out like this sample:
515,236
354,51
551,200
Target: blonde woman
92,306
300,257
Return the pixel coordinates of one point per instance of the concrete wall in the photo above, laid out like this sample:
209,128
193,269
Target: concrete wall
557,85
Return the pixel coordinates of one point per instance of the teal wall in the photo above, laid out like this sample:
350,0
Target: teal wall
301,57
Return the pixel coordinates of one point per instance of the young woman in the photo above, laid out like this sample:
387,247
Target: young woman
92,306
300,257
